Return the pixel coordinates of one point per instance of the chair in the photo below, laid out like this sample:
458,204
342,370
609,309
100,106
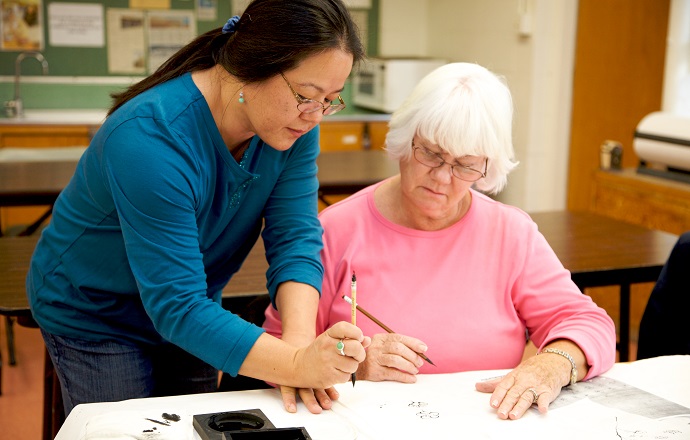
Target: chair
664,329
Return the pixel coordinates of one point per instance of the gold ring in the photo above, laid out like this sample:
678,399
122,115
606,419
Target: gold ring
535,396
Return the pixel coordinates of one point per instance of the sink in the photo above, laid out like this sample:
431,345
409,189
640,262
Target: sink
58,117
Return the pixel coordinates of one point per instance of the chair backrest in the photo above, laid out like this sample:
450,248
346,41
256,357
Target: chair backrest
664,328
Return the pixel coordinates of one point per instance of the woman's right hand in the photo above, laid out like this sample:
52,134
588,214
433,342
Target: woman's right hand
392,356
321,364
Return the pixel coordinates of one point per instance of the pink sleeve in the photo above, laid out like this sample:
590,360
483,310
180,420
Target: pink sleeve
554,308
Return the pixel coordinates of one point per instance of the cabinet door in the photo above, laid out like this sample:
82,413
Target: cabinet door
377,134
45,135
341,136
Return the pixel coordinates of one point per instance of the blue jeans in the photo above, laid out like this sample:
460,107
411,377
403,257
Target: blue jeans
111,371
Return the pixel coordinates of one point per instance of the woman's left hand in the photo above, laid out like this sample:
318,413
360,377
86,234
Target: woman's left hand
316,400
537,379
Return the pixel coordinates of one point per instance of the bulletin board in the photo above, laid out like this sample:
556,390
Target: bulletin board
93,61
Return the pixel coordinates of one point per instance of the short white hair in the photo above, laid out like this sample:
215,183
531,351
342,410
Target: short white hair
467,111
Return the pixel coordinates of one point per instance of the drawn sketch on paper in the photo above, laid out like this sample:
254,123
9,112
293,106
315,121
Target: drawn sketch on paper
619,395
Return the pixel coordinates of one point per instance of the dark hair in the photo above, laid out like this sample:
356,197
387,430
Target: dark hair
272,36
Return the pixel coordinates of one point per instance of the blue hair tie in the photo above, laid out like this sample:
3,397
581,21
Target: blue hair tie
229,27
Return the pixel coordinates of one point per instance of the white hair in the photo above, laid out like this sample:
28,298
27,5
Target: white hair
467,111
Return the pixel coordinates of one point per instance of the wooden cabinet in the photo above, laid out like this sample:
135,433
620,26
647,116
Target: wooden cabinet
617,80
45,135
349,136
352,135
377,134
342,135
649,201
38,136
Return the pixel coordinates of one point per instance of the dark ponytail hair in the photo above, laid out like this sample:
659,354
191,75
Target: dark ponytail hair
272,36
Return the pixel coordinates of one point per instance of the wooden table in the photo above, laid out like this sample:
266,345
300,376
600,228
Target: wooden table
346,172
600,251
40,182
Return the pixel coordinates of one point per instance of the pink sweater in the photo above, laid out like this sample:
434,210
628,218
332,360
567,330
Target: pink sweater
470,292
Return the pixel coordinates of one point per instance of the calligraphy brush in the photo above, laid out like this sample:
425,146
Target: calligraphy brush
353,292
382,325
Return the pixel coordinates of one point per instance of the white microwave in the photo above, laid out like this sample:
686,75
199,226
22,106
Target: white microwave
382,84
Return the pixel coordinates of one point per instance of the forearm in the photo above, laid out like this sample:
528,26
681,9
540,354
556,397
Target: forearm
297,304
272,360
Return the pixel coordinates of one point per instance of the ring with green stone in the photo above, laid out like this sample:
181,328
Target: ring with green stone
340,347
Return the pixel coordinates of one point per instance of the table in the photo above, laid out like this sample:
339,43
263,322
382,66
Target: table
346,172
600,251
38,181
643,399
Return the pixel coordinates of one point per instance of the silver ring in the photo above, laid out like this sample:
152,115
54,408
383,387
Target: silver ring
340,346
535,396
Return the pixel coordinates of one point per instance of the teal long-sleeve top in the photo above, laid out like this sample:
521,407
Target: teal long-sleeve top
158,217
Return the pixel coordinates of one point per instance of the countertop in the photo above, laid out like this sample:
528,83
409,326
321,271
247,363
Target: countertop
97,116
57,117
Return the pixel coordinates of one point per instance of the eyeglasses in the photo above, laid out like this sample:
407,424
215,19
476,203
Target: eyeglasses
306,105
434,160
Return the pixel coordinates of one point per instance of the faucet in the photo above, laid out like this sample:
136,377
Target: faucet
15,108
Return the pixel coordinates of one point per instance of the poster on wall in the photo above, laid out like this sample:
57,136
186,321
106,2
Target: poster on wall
21,26
207,10
75,24
168,32
126,48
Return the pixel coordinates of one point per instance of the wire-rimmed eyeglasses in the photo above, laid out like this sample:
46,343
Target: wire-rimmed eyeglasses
306,105
432,159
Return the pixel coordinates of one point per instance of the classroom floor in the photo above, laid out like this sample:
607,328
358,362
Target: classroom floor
21,402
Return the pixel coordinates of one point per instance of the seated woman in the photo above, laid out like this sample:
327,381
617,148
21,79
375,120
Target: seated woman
451,269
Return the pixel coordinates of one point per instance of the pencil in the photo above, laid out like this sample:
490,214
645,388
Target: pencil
353,312
381,324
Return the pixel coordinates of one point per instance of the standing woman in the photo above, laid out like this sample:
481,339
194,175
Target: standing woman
170,197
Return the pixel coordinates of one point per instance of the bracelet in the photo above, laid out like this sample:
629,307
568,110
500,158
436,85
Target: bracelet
573,369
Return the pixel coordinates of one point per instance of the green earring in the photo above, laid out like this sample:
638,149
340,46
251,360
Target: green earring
241,100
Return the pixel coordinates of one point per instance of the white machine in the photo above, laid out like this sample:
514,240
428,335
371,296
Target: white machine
382,84
662,142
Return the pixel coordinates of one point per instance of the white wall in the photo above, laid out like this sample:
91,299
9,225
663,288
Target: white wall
676,97
536,59
403,28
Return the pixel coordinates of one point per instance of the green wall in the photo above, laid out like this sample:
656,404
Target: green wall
67,62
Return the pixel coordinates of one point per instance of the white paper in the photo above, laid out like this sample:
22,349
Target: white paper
444,406
358,4
168,32
75,24
207,10
238,6
126,48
